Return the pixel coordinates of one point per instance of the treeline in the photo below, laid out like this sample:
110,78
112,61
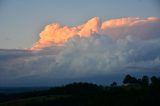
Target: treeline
133,92
144,81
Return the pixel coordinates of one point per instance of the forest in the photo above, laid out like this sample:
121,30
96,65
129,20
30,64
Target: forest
144,91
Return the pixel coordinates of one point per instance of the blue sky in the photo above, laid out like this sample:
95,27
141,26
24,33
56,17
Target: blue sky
21,21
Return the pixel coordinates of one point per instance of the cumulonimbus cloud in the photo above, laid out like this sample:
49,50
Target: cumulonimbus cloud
94,48
55,34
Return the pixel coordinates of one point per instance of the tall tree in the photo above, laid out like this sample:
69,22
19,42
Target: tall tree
129,80
145,80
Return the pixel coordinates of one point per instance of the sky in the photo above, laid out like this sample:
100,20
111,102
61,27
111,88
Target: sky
53,42
23,20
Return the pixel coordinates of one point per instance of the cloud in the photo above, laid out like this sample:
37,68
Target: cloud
116,46
135,27
55,34
100,54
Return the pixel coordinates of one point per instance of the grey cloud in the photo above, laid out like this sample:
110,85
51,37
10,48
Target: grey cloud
97,55
137,50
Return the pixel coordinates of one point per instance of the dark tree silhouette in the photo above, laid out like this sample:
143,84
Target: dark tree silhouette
145,81
155,84
129,80
139,81
114,84
154,80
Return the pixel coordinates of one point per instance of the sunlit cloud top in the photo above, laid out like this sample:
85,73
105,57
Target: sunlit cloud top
55,34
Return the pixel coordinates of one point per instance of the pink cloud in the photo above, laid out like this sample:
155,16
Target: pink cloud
55,34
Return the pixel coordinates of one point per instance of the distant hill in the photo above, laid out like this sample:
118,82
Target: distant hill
134,92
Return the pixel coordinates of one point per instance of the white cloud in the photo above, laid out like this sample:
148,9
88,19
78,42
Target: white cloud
80,56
